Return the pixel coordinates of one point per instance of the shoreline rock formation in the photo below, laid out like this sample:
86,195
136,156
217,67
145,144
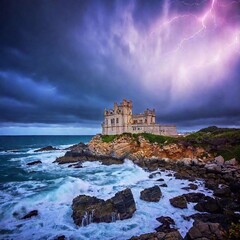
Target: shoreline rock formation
191,159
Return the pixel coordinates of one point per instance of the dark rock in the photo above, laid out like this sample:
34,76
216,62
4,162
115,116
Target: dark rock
34,163
152,194
179,202
222,192
62,237
33,213
194,197
191,186
211,184
77,165
201,230
174,235
88,209
166,222
163,185
72,157
208,204
160,180
48,148
153,175
80,147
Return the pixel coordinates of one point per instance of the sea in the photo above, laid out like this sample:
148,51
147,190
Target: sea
50,188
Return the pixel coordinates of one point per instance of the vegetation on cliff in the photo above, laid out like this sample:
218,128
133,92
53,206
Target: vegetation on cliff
217,141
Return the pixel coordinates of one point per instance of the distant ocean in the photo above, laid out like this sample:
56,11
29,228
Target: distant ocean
50,189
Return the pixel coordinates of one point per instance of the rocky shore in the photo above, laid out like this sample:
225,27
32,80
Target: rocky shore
218,216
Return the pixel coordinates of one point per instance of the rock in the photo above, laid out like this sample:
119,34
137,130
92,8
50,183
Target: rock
152,194
153,175
219,160
48,148
191,186
175,235
88,209
179,202
208,204
62,237
201,230
160,180
194,197
213,168
222,192
34,163
163,185
232,162
32,213
166,222
76,165
211,184
72,157
80,147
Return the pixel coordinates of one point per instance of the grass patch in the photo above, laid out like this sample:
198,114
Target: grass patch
155,138
108,138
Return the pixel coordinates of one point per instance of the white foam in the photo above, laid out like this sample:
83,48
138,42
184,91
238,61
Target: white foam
53,199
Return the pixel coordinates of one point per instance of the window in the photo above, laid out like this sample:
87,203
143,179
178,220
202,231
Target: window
116,120
112,121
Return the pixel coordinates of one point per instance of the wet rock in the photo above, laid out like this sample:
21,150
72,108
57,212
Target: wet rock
72,157
191,186
174,235
163,185
152,194
80,147
222,192
179,202
77,165
160,180
48,148
201,230
88,209
208,204
194,197
34,163
211,184
166,222
32,213
62,237
153,175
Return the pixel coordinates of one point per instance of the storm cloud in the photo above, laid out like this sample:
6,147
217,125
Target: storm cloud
63,62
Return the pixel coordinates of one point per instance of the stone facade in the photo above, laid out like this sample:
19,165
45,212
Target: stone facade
120,119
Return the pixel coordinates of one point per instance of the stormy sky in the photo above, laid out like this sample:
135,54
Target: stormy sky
63,62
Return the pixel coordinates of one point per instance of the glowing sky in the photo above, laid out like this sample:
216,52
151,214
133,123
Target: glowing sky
63,62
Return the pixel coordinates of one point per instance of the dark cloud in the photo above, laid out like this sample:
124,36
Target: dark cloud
63,62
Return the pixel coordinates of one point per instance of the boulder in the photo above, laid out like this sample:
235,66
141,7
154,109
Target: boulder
232,162
163,185
208,204
87,209
213,168
80,147
191,186
174,235
34,163
219,160
166,222
194,197
48,148
32,213
152,194
222,192
201,230
179,202
74,157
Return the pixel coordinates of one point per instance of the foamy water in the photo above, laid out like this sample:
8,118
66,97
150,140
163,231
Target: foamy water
50,188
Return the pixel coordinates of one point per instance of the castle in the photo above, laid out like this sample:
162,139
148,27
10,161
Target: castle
120,119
